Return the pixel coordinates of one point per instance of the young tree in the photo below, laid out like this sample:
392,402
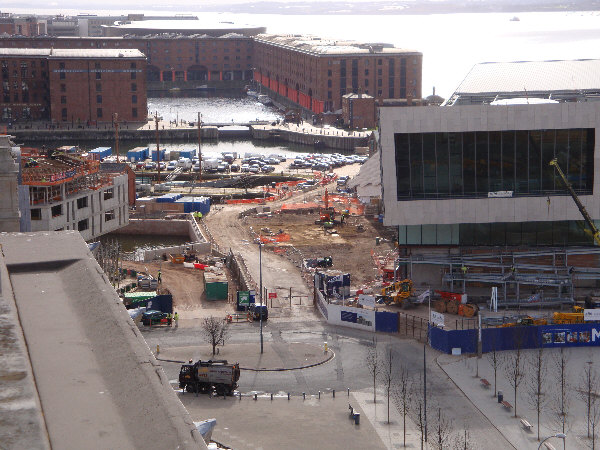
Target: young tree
214,331
374,366
462,441
536,386
562,392
402,396
442,431
388,376
514,367
416,410
588,391
495,361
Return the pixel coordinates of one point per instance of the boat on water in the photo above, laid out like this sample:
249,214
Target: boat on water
265,100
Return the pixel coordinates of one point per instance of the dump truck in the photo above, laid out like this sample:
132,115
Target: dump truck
204,376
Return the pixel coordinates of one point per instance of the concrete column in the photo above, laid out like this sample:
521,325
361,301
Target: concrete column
9,200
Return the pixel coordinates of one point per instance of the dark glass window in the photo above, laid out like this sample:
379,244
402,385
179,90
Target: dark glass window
473,164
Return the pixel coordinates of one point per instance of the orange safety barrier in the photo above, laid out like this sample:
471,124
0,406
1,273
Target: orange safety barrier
282,237
299,206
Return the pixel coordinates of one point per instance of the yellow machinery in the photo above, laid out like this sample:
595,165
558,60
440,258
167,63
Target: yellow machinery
582,210
571,317
398,291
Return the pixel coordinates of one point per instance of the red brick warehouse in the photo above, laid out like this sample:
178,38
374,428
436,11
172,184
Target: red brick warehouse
77,86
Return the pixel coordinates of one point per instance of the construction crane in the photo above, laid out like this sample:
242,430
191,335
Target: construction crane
582,210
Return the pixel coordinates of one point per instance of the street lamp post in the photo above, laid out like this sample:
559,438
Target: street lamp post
260,311
562,436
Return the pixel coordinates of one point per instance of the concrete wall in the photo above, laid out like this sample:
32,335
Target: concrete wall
203,248
157,226
483,118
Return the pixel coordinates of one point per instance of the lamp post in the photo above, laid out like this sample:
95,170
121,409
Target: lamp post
260,312
562,436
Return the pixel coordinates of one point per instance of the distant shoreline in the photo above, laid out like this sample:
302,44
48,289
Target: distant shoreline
320,8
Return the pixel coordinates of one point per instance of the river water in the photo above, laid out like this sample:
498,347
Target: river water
451,43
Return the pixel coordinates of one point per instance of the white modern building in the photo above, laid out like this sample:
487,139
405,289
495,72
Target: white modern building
480,174
67,192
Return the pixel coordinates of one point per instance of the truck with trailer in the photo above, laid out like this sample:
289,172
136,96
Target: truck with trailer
204,376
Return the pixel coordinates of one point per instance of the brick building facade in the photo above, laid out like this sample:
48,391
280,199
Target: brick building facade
316,73
76,86
309,72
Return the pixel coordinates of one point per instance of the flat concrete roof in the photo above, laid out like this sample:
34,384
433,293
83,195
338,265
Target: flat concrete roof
92,380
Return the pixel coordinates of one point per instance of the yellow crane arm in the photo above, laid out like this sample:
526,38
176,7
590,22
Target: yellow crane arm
580,206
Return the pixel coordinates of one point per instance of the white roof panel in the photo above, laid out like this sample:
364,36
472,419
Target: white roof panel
532,76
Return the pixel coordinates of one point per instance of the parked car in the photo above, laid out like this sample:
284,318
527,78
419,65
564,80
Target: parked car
150,166
171,165
245,167
267,169
152,316
258,309
255,168
235,168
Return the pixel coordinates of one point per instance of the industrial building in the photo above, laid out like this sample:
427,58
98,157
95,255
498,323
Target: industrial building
477,173
300,71
77,86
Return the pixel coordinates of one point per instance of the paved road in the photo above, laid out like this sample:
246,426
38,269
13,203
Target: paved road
346,370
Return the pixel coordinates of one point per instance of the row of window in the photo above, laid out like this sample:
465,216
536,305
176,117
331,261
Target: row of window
560,233
472,164
99,113
63,99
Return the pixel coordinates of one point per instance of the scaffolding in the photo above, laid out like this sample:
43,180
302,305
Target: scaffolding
552,270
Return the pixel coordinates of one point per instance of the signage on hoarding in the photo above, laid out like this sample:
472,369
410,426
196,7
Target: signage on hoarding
591,314
500,194
272,294
437,318
366,300
244,298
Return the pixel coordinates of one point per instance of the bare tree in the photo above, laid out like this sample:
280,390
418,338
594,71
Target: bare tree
416,410
588,391
495,361
535,385
562,391
388,376
462,441
442,431
374,366
514,367
214,331
402,396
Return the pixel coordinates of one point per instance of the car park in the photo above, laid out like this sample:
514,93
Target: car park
255,168
267,169
245,168
235,168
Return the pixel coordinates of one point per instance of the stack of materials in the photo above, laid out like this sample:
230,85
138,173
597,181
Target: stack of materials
195,204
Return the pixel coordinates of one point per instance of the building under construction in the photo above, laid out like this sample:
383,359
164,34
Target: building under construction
68,192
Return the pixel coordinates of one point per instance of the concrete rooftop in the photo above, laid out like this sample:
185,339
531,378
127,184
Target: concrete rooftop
75,371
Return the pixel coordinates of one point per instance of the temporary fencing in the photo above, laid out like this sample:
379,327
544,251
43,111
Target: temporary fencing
281,237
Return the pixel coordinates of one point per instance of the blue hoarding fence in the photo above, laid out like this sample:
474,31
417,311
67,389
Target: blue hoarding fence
386,322
510,338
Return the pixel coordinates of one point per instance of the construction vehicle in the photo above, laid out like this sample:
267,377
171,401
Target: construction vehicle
454,303
576,316
524,321
398,292
582,210
204,376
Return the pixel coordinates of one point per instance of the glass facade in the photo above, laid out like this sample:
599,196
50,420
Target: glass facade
559,233
474,163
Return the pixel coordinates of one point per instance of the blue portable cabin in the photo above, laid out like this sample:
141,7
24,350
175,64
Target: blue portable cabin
187,153
137,154
168,198
155,155
195,204
100,153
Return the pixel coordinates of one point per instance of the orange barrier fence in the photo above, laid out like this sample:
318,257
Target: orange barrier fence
282,237
299,206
